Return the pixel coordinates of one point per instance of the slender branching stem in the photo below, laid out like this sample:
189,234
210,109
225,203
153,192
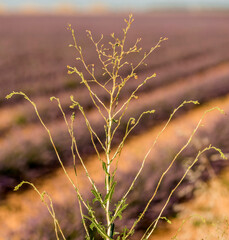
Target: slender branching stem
111,111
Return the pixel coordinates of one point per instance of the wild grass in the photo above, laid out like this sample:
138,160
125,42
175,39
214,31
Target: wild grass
112,58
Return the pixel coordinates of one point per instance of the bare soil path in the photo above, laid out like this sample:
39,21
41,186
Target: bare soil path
205,217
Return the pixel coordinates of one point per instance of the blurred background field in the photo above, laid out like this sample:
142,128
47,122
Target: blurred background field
192,65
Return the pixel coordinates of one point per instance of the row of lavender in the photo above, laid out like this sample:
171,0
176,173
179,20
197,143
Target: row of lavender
34,50
34,60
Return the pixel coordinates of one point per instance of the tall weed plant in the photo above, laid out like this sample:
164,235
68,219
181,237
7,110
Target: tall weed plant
113,58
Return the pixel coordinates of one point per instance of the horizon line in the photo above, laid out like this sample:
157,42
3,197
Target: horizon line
102,8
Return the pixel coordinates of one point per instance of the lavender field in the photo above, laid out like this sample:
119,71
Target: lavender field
192,65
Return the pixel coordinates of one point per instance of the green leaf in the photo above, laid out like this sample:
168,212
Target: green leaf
125,231
105,167
123,205
96,194
112,230
114,120
92,225
110,193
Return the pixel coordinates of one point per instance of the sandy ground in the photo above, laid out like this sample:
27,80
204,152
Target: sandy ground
206,217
